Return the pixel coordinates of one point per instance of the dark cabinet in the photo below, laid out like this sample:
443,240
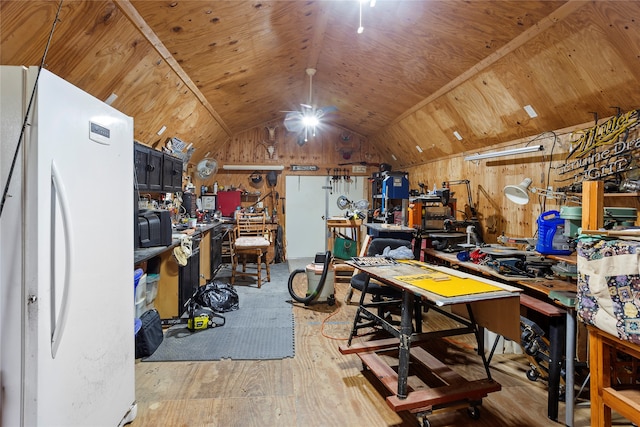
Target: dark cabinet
218,235
171,174
157,171
189,277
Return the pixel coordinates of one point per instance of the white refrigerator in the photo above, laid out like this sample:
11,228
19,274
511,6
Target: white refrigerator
66,256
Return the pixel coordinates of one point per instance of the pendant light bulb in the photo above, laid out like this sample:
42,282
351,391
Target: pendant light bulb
360,28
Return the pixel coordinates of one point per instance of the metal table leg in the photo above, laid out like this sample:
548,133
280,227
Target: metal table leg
555,365
570,374
406,328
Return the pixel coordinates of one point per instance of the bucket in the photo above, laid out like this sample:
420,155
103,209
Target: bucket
313,280
551,238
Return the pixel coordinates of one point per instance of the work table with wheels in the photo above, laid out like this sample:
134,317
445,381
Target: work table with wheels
470,308
540,298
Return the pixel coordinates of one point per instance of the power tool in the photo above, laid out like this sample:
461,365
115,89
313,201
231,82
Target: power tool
201,317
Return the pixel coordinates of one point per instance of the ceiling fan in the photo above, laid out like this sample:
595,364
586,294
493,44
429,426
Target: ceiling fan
309,116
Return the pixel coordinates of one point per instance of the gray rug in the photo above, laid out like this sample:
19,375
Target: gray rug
262,328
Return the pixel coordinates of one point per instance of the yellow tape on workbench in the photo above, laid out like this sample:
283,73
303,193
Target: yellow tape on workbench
447,285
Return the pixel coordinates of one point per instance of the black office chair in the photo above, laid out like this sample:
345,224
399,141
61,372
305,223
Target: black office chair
383,297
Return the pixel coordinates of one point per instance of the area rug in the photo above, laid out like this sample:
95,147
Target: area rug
261,329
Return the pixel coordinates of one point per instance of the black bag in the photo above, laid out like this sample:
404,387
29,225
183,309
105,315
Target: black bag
218,296
150,335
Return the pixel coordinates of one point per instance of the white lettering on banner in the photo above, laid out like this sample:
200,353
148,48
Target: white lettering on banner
603,150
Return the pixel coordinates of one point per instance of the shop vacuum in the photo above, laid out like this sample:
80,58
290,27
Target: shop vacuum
320,283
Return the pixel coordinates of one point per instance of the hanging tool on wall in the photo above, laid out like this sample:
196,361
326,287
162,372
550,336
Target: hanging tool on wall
347,179
330,180
337,178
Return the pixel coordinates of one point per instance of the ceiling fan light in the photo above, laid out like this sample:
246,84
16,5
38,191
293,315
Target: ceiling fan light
310,121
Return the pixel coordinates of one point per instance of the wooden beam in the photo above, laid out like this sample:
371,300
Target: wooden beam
592,205
319,30
132,14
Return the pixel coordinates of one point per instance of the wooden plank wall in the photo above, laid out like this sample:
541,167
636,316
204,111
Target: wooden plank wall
329,150
487,177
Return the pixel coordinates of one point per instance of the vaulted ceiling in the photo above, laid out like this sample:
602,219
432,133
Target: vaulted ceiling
420,70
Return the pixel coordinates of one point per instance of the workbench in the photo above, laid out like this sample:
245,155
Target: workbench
562,327
490,304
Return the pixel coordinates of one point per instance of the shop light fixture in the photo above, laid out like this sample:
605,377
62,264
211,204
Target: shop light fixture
457,135
162,129
510,152
394,157
253,167
419,149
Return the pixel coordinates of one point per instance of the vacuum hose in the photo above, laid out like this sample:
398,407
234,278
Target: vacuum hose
306,300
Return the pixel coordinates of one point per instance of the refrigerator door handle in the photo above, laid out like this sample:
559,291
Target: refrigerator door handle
59,326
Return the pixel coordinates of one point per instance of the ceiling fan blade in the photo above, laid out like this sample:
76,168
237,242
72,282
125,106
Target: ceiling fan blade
293,115
293,122
320,112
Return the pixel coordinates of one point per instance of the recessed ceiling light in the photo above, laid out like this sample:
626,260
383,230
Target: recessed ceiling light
530,111
110,99
457,135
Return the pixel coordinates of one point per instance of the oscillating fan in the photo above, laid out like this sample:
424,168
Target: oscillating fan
207,167
309,117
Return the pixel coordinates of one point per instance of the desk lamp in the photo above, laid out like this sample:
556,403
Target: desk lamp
518,193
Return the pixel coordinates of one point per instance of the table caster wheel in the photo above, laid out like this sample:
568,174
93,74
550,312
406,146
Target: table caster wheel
532,375
473,412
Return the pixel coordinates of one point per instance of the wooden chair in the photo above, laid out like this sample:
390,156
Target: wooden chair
250,240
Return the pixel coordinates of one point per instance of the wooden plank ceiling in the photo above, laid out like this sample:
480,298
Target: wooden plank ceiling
208,70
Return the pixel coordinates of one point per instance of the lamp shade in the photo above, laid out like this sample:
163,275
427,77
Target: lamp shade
518,193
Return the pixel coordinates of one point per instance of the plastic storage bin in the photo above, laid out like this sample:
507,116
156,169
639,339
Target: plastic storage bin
140,295
152,289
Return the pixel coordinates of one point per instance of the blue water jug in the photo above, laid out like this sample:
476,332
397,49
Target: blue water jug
551,240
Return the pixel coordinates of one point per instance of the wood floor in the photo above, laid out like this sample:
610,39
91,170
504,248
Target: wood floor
321,387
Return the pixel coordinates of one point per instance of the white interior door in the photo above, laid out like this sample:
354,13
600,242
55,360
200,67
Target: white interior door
309,200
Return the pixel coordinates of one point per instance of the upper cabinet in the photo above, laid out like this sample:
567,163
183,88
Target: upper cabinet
157,171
